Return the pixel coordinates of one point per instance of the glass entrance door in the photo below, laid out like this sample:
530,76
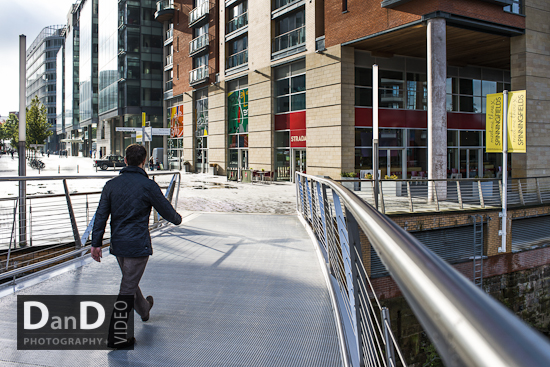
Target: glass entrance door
390,162
298,161
243,161
470,163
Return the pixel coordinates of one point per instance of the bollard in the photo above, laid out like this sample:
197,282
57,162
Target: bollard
77,168
58,169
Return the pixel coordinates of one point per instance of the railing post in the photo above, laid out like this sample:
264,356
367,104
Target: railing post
382,204
355,243
321,195
411,208
459,193
520,189
71,214
538,189
435,195
481,200
12,234
390,351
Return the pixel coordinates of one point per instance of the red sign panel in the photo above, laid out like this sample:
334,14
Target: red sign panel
298,138
291,121
414,119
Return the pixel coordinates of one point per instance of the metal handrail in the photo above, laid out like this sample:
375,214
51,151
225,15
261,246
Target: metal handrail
80,241
199,43
237,59
200,11
293,38
467,326
237,22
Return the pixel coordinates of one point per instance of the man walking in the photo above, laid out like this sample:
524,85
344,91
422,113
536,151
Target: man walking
128,199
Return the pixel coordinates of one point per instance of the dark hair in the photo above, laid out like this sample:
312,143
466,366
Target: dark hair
135,154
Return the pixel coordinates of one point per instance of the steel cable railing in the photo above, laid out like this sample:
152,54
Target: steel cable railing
424,195
467,327
57,226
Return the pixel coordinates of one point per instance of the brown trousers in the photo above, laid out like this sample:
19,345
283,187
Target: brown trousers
132,269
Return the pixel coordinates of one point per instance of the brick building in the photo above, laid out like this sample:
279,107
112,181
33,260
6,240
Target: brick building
285,85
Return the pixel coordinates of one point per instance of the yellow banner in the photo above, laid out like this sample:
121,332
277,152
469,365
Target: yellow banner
517,109
143,119
493,123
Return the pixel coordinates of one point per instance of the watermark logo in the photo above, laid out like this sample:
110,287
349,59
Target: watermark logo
74,322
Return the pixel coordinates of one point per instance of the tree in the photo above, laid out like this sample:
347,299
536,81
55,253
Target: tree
10,130
38,128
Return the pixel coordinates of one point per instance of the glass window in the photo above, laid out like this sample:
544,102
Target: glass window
282,139
470,138
391,138
418,138
290,87
363,97
391,89
417,92
289,31
363,137
363,77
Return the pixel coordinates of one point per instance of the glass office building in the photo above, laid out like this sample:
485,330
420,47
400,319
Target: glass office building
130,72
42,75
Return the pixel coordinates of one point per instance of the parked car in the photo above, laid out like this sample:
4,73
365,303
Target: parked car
110,161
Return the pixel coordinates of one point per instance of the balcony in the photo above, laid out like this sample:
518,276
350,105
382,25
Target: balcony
290,39
237,23
169,85
198,75
237,59
165,10
169,36
199,13
282,3
199,44
169,62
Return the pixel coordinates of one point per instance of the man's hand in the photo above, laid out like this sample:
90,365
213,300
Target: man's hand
97,253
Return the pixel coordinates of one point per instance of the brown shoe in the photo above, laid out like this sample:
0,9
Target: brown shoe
151,302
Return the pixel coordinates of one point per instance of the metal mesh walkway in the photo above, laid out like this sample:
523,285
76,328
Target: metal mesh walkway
230,290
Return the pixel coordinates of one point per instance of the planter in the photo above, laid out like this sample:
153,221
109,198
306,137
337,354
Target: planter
353,186
391,187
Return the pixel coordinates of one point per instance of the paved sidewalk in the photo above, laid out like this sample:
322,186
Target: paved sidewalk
230,290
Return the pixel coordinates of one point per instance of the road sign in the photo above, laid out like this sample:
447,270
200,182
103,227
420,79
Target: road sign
128,129
139,136
161,131
147,133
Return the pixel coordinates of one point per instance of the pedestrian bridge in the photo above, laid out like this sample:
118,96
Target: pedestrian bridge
265,290
230,290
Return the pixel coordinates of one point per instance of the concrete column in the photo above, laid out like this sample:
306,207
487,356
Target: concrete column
437,114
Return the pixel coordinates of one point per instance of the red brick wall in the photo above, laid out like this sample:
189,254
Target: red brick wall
493,266
185,35
366,17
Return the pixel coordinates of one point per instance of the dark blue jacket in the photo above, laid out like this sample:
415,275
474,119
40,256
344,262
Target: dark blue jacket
128,198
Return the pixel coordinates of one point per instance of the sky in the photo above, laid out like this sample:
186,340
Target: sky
26,17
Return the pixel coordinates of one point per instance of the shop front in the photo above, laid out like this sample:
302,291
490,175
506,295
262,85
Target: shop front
290,142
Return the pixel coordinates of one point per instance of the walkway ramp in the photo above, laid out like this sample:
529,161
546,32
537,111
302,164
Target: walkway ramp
230,290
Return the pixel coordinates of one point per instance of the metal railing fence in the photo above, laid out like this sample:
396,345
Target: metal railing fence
237,23
200,11
422,195
289,39
467,327
57,224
